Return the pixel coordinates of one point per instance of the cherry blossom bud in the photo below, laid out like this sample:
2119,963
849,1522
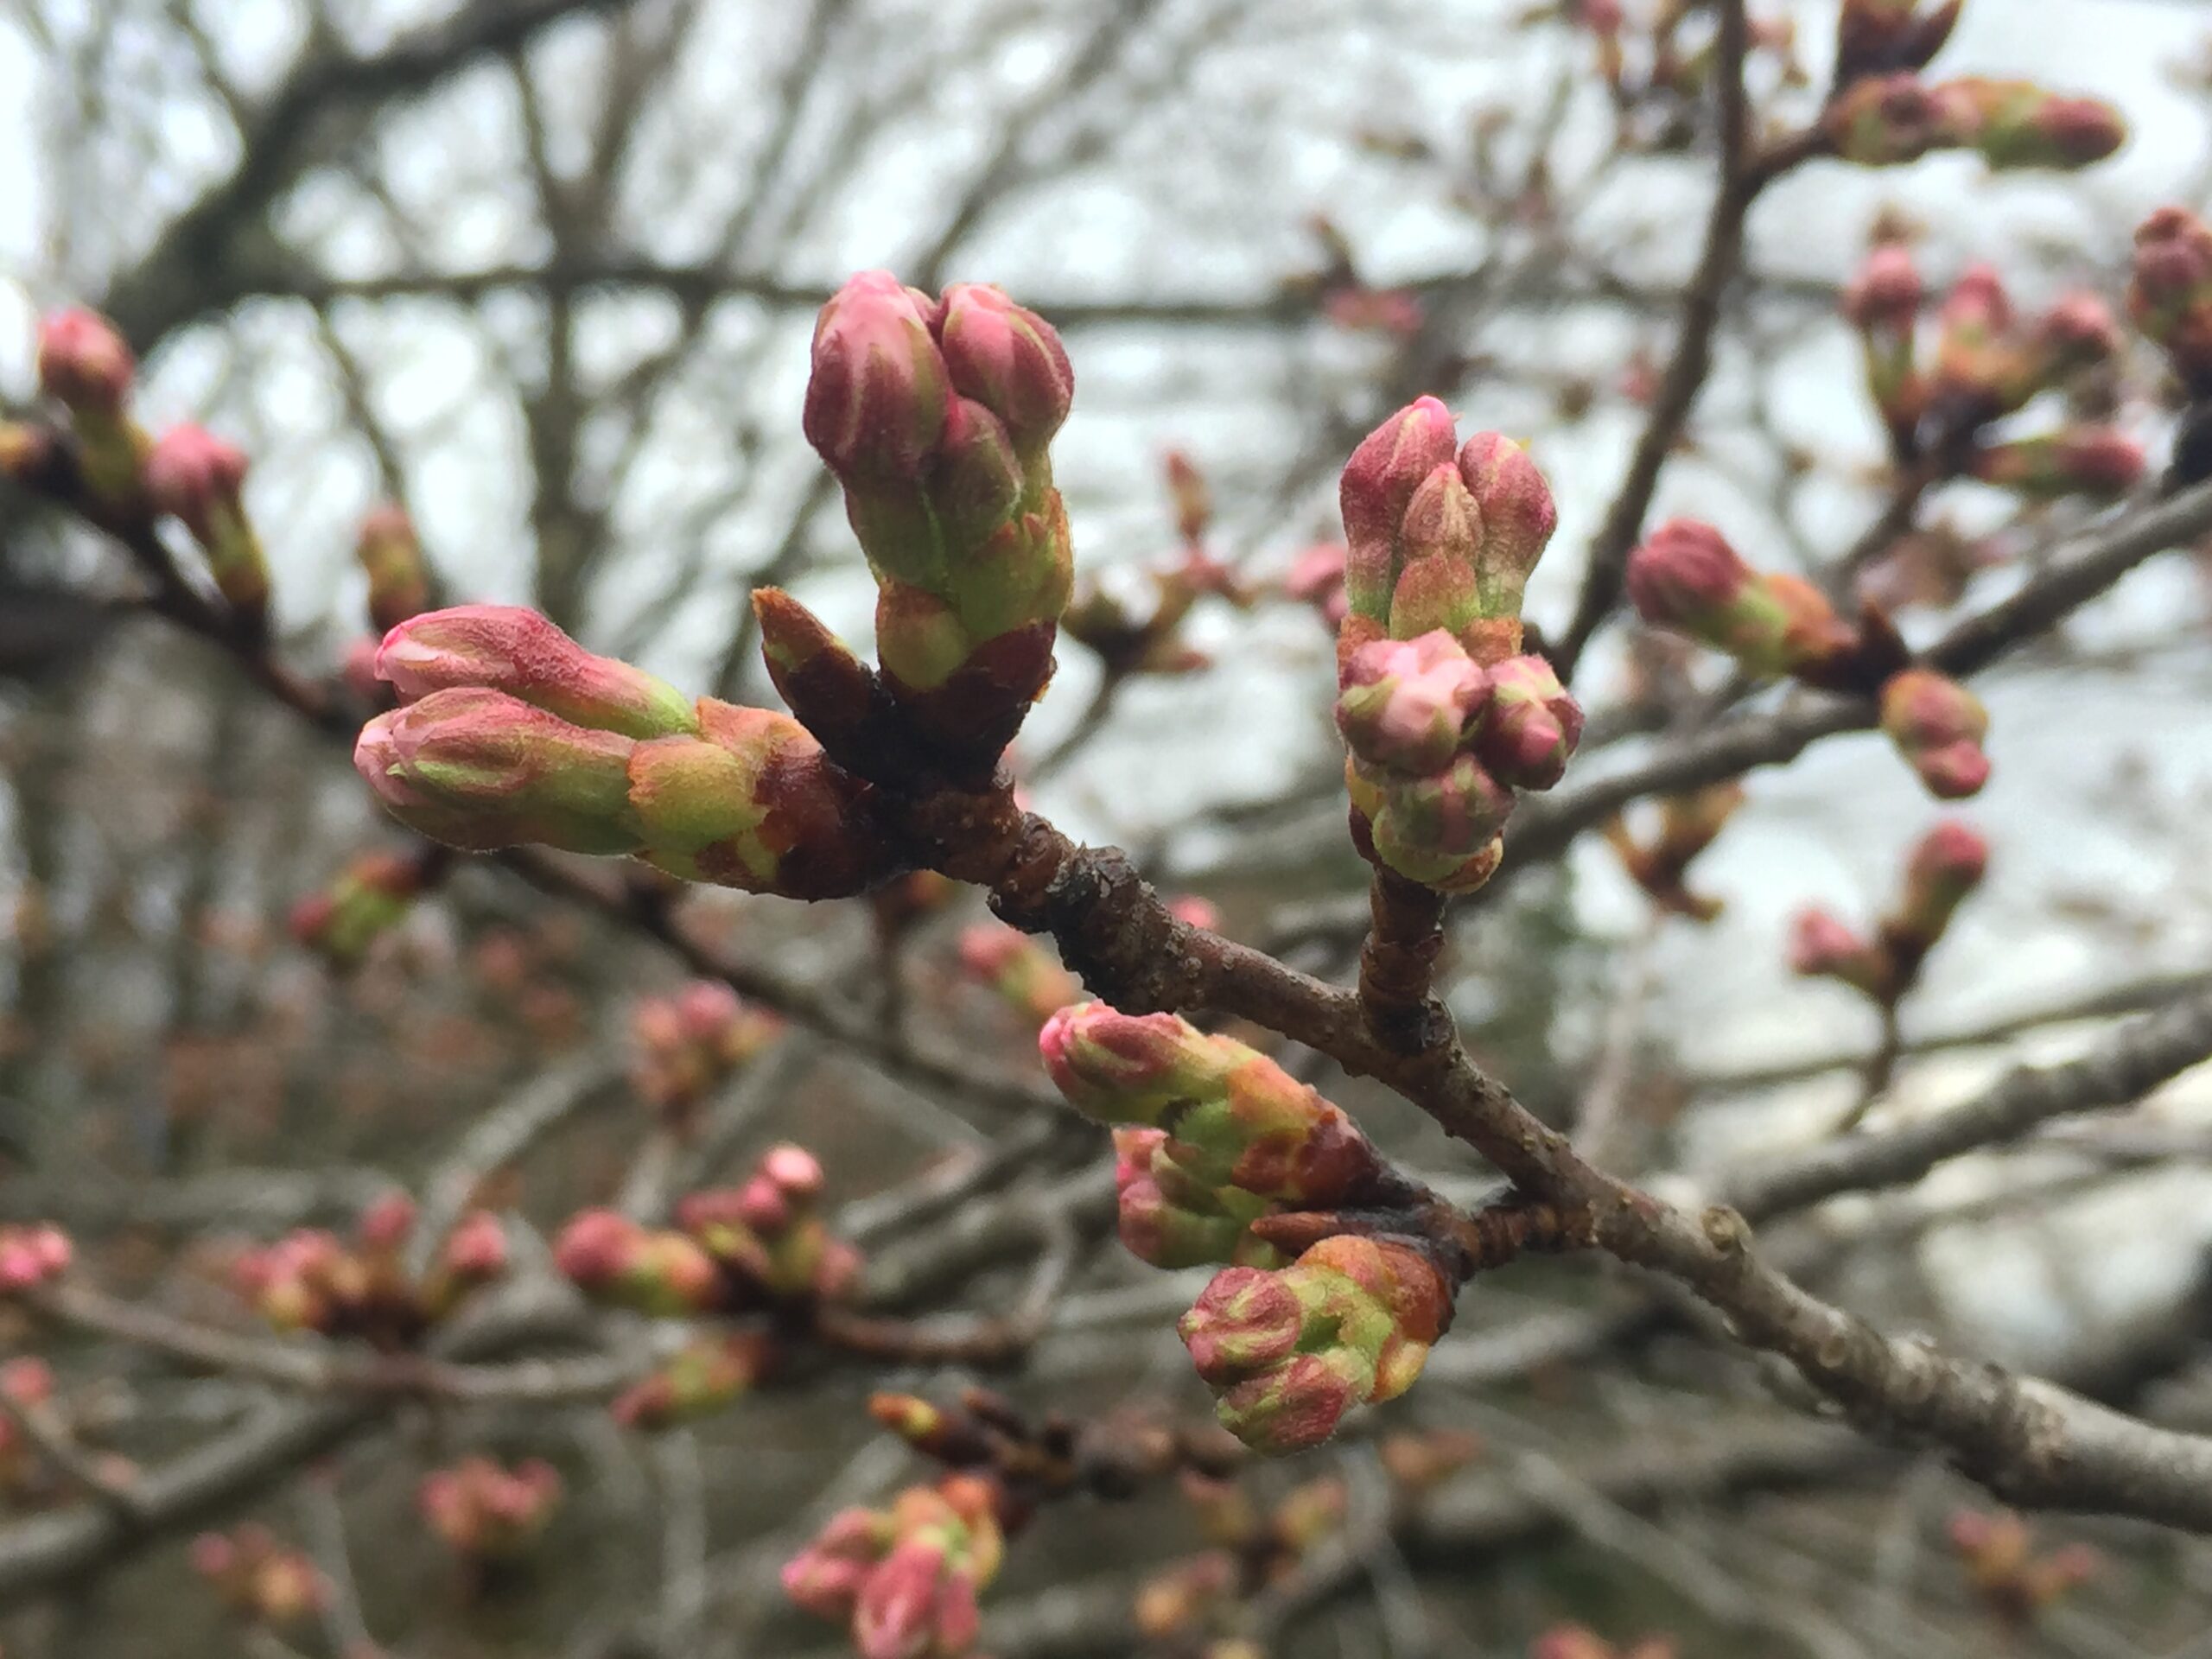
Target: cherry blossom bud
1530,726
1245,1322
32,1255
1121,1068
877,399
197,477
477,1251
1299,1404
1018,968
1316,577
83,362
391,554
2016,123
2170,295
2097,461
2078,332
1883,302
1822,947
705,1376
613,1259
481,770
1405,705
1377,485
1938,726
1685,576
1008,360
1879,37
483,1512
1946,866
368,897
508,648
1983,367
1884,120
1167,1219
1518,516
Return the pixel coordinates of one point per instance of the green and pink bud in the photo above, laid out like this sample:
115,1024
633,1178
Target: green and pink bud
368,897
2101,462
705,1376
2017,123
2169,294
83,362
1529,727
825,1578
1822,947
1984,365
1945,867
1441,831
1938,726
1405,705
1246,1322
510,649
391,556
1883,303
1169,1220
612,1259
1881,37
936,417
1888,120
1122,1068
1018,968
199,479
1685,576
1441,536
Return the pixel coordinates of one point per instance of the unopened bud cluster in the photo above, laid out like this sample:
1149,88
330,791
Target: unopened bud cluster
32,1254
1289,1351
1988,360
1443,717
905,1579
2169,294
686,1046
1209,1135
1945,868
311,1280
511,734
258,1578
936,415
484,1512
1886,120
1687,825
758,1245
121,476
365,900
1687,577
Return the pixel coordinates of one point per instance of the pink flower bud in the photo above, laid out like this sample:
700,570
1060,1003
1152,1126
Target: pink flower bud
508,648
83,362
1316,577
1685,575
2016,123
896,1614
392,555
1008,360
1518,517
1128,1068
477,1251
1821,945
880,394
1244,1322
1886,294
31,1256
481,770
2079,331
1888,119
386,1224
1530,726
197,477
1938,726
1405,704
1297,1405
825,1578
2170,295
1945,867
2099,461
1376,487
1441,831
